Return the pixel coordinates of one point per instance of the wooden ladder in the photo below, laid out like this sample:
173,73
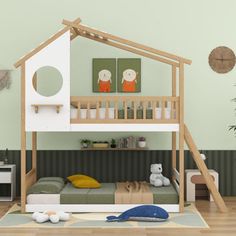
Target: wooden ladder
204,171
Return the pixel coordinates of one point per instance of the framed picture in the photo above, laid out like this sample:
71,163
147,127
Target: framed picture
104,75
129,75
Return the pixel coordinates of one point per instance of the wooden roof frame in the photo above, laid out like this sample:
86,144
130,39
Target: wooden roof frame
77,29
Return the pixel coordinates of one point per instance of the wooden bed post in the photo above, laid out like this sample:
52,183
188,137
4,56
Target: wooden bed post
173,133
181,137
23,141
34,155
34,139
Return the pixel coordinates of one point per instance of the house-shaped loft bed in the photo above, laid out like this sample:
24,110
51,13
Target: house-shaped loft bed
53,113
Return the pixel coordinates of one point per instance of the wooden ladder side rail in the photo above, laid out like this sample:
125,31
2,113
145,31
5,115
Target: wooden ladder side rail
204,171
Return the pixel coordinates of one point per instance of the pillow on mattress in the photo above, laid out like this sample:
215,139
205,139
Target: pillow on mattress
83,181
56,179
49,187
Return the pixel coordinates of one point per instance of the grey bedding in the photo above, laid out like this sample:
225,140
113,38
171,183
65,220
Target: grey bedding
56,179
47,185
103,195
165,195
106,195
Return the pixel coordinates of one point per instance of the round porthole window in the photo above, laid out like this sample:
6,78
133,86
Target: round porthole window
47,81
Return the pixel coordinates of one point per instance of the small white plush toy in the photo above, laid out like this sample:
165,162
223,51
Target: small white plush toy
156,177
54,217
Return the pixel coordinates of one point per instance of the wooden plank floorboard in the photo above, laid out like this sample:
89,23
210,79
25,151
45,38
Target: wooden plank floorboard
221,224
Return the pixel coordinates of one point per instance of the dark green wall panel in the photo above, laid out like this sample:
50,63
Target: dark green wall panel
111,166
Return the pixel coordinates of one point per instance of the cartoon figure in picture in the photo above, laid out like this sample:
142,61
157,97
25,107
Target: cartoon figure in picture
104,81
129,80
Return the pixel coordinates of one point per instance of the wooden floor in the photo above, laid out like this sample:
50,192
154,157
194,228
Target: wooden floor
220,224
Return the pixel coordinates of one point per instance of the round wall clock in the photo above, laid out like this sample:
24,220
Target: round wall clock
222,59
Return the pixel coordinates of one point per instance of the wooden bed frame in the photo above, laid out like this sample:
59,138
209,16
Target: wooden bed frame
175,124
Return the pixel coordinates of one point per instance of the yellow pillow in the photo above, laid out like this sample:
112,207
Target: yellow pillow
83,181
74,177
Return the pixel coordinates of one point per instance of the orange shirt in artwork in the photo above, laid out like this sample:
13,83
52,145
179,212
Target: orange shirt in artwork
104,81
129,80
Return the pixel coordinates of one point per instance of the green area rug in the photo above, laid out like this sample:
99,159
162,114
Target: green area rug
191,218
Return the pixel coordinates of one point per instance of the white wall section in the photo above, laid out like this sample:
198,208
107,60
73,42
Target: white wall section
57,55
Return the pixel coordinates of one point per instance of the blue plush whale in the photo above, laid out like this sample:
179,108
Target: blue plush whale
141,213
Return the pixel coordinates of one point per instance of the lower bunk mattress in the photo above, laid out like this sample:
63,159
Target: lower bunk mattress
103,195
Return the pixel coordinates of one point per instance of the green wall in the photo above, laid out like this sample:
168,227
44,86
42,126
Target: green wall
188,28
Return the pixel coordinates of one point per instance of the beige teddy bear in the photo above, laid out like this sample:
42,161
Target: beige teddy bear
156,177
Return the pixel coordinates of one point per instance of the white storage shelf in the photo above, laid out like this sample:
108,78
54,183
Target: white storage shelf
8,176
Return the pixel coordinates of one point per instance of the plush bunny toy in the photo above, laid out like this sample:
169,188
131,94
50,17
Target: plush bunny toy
156,177
52,216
